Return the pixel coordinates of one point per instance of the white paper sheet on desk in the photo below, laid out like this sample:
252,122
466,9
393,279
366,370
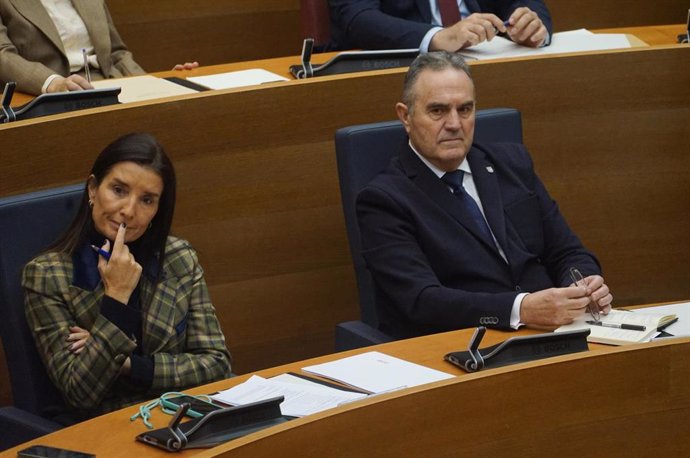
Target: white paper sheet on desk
562,42
681,327
300,399
237,79
377,372
143,87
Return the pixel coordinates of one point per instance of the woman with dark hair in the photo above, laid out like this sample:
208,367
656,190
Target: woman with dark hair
119,308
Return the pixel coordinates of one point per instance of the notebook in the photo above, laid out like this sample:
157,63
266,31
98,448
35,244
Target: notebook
609,332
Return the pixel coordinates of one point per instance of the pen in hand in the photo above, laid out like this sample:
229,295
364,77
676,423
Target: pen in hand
630,327
87,72
101,252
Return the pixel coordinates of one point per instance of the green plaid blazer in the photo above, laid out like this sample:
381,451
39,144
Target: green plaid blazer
180,330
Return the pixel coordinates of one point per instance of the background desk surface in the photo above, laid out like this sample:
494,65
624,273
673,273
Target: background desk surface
258,191
161,33
606,402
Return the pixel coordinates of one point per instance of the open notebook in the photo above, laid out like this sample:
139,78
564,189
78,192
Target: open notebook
651,322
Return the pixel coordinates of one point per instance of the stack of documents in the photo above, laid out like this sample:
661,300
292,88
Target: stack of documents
240,78
376,372
302,397
562,42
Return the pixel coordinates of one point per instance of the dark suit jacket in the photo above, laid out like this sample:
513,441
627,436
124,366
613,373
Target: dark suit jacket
432,269
31,49
400,24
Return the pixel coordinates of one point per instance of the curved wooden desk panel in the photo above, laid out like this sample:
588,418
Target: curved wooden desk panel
625,401
259,199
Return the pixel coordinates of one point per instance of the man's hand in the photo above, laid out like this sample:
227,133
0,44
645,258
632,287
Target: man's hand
121,273
600,295
472,30
554,307
71,83
526,28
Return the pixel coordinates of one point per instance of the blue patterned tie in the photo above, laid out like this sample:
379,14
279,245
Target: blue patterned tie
454,181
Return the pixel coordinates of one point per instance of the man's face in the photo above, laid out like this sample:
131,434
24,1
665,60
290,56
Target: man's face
441,121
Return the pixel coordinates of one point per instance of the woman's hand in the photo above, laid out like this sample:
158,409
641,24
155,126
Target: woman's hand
121,273
186,66
77,339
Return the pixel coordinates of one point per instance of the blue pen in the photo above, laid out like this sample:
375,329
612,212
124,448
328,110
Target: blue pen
101,252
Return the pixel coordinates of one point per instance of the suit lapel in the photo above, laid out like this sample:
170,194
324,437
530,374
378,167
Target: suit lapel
94,17
35,12
439,193
486,182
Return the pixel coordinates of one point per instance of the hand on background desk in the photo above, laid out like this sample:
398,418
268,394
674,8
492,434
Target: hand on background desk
186,66
71,83
474,29
526,28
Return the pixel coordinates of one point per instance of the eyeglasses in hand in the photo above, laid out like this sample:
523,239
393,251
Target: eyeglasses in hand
579,280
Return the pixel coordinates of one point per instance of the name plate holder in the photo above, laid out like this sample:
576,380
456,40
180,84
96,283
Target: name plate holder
517,349
55,102
351,61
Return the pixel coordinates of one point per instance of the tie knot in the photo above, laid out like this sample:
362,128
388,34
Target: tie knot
454,180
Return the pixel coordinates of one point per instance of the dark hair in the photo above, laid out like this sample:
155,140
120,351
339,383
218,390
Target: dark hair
142,149
436,61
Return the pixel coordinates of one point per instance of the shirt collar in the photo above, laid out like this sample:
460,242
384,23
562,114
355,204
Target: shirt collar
464,165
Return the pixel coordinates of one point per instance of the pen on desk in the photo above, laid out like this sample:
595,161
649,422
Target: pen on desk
101,252
87,72
630,327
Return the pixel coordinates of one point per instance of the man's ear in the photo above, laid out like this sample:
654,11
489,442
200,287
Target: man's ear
403,114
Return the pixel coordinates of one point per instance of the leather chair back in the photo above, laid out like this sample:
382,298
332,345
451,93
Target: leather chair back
29,223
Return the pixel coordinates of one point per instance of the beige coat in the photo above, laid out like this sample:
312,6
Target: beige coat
31,49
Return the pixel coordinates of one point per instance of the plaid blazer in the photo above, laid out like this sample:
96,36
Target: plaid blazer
180,330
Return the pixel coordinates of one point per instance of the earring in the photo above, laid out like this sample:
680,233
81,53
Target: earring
90,203
150,224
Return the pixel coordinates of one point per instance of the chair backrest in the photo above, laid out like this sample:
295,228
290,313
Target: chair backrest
365,150
29,223
315,20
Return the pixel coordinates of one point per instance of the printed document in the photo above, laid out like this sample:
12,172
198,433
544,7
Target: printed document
376,372
303,398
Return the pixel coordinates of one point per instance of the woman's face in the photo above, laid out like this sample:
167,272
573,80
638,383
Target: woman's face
129,194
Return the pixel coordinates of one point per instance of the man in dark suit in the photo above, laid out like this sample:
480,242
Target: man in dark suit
436,263
427,24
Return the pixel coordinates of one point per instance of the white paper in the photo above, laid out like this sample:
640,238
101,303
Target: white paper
599,333
237,79
376,372
300,398
562,42
681,310
144,87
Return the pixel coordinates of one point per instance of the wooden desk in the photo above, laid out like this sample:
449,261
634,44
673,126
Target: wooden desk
258,188
609,401
163,32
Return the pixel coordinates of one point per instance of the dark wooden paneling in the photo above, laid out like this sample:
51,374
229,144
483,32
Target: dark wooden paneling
598,14
162,33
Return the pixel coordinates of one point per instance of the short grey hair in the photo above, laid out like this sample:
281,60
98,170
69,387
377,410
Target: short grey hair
435,61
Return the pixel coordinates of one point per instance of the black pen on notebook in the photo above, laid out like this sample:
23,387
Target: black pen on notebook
101,252
630,327
87,72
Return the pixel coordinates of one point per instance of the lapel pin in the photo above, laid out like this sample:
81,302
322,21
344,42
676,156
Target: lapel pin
489,169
